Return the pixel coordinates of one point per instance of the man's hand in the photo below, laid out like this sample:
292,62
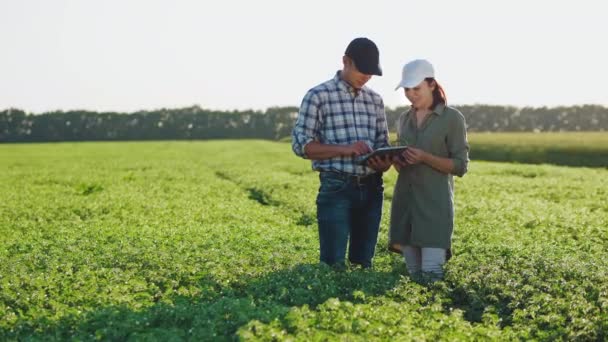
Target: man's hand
399,162
380,164
357,149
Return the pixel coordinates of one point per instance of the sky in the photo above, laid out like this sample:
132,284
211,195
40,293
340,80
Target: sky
128,55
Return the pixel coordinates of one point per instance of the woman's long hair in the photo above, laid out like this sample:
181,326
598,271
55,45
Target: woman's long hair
439,96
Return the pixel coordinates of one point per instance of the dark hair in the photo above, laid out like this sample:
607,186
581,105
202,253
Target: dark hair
438,93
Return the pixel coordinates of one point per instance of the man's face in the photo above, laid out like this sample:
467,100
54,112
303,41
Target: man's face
353,76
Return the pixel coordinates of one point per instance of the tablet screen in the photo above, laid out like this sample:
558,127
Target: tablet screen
384,151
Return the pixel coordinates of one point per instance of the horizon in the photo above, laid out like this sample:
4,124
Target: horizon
262,111
133,56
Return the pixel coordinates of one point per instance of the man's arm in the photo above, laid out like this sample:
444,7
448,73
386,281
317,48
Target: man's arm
305,134
316,151
306,129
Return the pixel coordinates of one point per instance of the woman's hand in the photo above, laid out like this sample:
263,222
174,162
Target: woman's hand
380,164
414,155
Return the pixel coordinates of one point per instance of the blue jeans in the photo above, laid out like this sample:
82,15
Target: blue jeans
347,207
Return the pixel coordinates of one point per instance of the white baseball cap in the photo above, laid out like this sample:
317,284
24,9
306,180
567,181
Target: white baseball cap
415,72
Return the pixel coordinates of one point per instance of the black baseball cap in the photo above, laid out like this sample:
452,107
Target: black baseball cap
366,56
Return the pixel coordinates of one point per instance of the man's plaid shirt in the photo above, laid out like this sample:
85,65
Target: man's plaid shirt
333,113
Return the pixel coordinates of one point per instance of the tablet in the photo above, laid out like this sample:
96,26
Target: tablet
384,151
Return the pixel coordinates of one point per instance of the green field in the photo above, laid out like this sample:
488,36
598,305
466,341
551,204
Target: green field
563,148
559,148
217,241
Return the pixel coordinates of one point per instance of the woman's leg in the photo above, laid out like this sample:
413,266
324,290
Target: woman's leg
412,259
432,260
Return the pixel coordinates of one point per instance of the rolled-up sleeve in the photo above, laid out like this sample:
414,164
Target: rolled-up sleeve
458,146
307,124
381,127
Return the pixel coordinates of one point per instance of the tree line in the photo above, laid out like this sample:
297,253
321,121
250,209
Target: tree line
274,123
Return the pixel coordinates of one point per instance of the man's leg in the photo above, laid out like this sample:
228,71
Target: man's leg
365,226
333,217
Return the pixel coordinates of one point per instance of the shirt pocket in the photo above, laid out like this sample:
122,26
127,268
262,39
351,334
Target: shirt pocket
436,141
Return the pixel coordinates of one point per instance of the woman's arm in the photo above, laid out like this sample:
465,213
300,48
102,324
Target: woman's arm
458,148
445,165
458,145
415,155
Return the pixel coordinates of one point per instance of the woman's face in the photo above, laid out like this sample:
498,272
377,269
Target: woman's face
421,96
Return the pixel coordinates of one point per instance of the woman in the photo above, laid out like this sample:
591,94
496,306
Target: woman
422,212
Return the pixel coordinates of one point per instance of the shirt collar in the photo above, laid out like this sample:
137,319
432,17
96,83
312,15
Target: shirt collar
344,86
439,109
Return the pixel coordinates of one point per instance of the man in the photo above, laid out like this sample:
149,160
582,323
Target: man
339,121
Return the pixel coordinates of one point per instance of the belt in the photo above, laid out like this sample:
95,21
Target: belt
355,179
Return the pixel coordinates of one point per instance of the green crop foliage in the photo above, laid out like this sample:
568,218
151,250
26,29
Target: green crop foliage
218,241
589,149
563,148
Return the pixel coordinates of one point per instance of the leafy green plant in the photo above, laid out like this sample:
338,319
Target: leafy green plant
218,241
